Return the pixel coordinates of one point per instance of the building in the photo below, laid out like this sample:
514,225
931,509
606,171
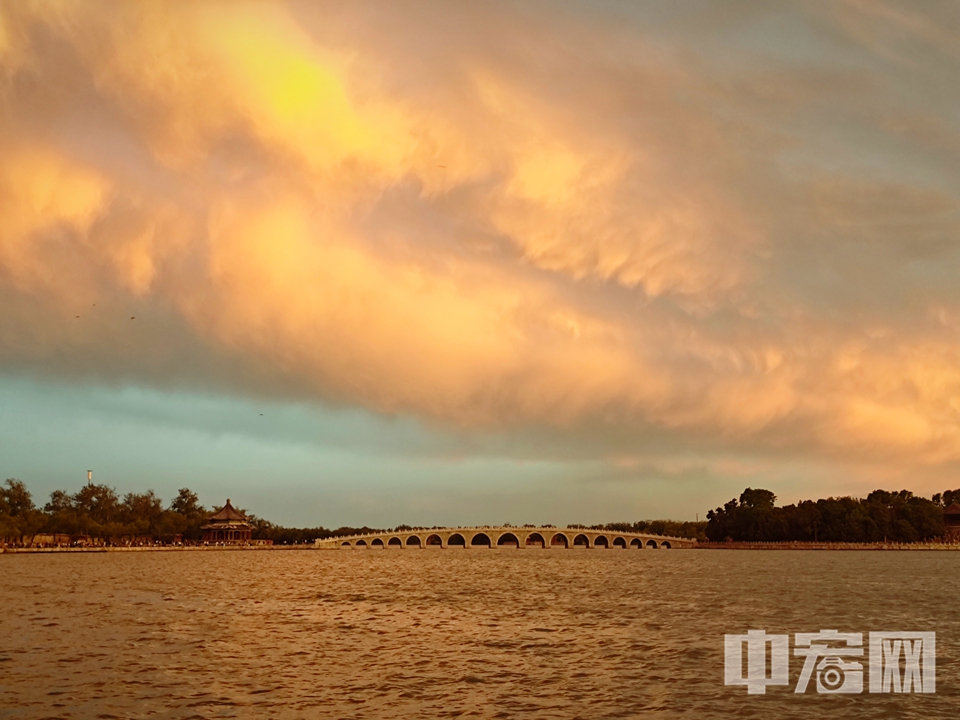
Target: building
227,527
951,518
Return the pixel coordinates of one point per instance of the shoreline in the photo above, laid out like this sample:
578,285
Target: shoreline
818,546
190,548
824,546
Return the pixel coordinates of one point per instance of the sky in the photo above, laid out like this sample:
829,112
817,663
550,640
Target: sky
455,262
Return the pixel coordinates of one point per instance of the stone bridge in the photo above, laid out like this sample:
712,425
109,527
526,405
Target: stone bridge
507,537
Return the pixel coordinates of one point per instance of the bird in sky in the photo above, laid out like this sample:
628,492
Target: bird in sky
133,318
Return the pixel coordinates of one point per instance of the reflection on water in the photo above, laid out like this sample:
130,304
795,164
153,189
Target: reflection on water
447,633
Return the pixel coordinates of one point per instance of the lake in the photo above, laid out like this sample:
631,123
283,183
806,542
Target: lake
450,633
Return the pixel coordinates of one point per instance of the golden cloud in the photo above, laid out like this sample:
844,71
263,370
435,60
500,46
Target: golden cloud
483,251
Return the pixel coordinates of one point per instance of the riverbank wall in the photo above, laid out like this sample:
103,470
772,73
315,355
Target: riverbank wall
824,546
157,548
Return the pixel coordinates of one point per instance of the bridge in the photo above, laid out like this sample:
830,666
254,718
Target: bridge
507,537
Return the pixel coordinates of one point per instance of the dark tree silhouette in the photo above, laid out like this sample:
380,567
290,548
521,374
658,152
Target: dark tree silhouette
883,515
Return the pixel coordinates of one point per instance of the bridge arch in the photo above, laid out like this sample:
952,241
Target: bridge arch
480,539
535,539
528,536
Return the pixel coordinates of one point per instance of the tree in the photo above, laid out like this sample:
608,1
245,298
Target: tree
141,513
15,499
187,503
186,515
757,499
60,501
98,503
18,515
947,498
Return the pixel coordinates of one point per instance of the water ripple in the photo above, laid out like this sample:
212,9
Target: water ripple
417,634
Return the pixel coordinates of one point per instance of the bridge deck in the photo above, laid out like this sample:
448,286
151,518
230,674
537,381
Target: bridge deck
505,536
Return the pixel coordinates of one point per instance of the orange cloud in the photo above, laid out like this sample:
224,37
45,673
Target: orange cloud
471,242
45,197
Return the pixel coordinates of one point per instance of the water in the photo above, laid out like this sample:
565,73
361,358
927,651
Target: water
448,633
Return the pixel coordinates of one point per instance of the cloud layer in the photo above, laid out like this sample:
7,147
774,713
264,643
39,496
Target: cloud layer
735,231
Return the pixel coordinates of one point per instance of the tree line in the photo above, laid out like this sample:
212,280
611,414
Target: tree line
883,515
673,528
98,511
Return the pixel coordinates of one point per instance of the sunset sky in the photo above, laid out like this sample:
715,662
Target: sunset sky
478,262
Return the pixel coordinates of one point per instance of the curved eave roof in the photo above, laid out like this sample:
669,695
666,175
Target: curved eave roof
226,525
228,513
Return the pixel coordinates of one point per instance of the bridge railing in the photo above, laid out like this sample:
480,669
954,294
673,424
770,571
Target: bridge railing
505,528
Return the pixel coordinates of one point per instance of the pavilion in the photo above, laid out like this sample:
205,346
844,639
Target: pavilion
227,527
951,518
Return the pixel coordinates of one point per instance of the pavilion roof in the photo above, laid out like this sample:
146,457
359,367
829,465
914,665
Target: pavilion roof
228,513
227,525
954,509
